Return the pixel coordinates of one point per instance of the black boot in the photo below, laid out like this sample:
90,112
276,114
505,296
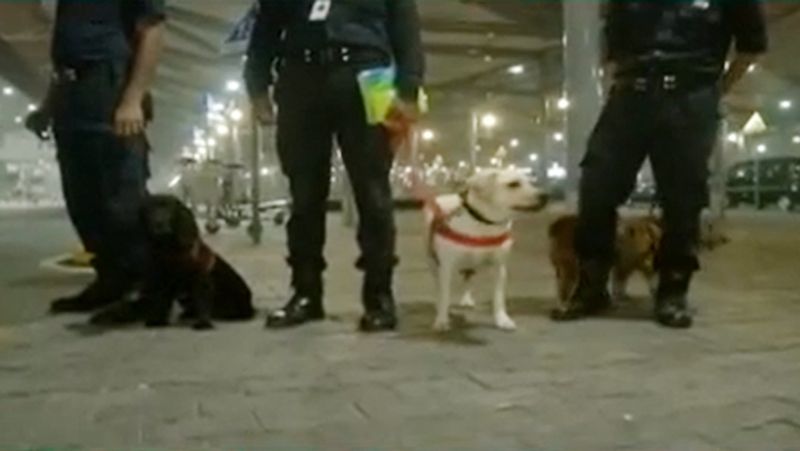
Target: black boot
379,306
672,305
304,306
590,297
106,289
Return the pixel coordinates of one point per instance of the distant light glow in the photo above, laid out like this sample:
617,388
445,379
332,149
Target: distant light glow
517,69
796,139
8,91
233,86
563,103
428,135
733,137
556,172
211,142
174,182
32,107
558,136
18,120
223,130
489,120
785,104
752,68
761,148
237,115
534,157
514,142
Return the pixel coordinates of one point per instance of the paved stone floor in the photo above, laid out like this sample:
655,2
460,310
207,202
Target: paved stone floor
616,383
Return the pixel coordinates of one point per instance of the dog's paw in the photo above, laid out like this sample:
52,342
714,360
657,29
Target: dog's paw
504,322
203,325
467,301
441,324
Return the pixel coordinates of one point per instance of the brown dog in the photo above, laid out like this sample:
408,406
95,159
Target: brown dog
636,247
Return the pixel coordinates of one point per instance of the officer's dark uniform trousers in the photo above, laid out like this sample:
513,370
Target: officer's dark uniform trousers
676,128
103,176
317,103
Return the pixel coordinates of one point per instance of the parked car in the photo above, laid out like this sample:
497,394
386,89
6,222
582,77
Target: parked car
765,181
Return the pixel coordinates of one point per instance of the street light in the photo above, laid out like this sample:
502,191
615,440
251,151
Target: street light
233,86
517,69
223,130
489,121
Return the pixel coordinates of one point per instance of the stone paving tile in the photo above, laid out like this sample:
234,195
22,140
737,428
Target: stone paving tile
614,383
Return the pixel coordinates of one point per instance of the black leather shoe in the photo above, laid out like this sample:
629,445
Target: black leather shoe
299,310
589,298
672,305
380,315
378,321
91,298
674,314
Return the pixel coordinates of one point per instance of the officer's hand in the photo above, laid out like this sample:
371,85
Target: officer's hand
264,109
129,119
38,123
405,110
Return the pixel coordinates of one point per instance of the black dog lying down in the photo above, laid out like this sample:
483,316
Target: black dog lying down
183,269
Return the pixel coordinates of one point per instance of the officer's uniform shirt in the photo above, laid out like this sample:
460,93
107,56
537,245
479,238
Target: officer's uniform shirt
682,35
92,48
286,29
99,30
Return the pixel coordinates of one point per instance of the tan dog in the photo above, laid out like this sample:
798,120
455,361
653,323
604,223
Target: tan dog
636,247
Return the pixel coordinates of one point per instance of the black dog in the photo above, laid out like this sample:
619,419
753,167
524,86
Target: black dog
183,269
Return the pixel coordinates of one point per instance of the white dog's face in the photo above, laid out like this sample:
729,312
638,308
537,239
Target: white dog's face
506,189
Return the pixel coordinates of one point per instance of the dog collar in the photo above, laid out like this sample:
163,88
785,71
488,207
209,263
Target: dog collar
478,216
445,231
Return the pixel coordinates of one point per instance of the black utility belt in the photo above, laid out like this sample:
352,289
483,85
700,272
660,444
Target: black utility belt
665,82
337,55
69,73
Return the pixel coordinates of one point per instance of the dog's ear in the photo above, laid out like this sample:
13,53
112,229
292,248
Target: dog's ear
483,183
184,226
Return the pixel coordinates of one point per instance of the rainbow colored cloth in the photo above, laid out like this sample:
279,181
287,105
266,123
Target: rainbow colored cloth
378,92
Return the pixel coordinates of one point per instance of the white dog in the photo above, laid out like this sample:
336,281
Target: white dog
472,230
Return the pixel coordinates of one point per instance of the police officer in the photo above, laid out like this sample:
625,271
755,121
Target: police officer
104,57
318,48
669,67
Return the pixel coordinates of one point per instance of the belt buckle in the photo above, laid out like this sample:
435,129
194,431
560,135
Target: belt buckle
669,82
65,75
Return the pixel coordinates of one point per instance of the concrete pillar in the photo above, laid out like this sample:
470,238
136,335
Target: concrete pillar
717,170
582,82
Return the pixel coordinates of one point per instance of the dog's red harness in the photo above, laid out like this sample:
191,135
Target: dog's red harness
445,231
